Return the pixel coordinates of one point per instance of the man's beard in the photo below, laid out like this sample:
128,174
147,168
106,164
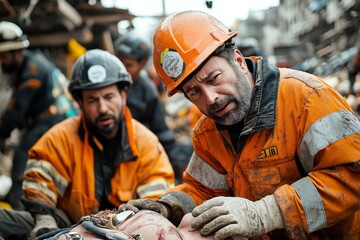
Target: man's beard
9,68
104,130
242,101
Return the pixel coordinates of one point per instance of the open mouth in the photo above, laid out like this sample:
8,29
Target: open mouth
104,121
221,111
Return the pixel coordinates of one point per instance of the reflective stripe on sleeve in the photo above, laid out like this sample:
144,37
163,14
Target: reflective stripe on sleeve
40,186
47,171
153,188
312,204
206,174
325,131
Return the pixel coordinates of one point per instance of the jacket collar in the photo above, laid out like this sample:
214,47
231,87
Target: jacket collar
262,113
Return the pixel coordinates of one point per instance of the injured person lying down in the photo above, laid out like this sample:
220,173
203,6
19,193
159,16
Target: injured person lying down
144,225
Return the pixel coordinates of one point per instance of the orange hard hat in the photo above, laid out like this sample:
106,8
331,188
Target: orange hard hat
182,42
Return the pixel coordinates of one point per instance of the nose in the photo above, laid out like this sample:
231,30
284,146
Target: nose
103,107
210,95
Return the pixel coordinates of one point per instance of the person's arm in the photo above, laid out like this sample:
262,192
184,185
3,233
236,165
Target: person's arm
155,172
329,152
46,179
18,106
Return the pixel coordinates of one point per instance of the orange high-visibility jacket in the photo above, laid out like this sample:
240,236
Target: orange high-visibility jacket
60,171
300,142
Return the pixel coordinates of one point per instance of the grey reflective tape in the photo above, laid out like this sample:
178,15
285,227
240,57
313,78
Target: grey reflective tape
39,186
155,187
206,174
49,172
324,132
312,204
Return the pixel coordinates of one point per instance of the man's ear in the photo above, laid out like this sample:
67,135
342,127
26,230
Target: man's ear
240,60
124,93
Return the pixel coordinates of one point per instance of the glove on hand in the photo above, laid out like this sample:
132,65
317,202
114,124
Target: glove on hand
145,204
235,216
44,223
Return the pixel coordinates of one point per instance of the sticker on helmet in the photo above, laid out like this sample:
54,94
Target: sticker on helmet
96,74
172,63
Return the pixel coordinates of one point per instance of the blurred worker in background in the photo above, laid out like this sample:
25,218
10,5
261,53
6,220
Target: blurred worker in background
354,70
38,101
144,102
354,67
276,153
249,47
150,69
90,162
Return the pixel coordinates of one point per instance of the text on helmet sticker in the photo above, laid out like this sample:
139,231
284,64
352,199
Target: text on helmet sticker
96,74
172,63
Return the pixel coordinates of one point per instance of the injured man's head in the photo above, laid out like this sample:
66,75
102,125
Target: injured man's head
144,225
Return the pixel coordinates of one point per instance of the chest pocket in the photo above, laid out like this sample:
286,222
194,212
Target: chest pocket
264,181
268,164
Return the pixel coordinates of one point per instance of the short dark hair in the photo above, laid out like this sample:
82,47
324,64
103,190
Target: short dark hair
226,51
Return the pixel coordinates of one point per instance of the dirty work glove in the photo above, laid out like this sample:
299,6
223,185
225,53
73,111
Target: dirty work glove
234,216
44,223
145,204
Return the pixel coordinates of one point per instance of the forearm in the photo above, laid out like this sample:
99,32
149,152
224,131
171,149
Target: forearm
37,207
41,186
317,201
178,204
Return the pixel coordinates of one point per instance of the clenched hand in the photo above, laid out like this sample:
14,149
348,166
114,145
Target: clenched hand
234,216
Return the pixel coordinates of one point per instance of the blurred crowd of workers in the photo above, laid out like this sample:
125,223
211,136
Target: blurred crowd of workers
101,140
39,100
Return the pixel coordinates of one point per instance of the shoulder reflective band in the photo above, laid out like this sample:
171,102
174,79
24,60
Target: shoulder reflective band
206,174
324,132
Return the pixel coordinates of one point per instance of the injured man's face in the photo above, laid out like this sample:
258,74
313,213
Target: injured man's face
151,225
144,225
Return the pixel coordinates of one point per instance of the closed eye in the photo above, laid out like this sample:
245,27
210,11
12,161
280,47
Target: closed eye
193,92
109,96
213,80
92,99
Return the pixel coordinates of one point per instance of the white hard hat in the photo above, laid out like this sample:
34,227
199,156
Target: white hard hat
12,37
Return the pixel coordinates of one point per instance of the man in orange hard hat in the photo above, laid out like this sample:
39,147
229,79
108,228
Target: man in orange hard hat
277,151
